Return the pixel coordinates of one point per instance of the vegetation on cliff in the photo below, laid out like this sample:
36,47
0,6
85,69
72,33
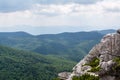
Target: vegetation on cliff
86,77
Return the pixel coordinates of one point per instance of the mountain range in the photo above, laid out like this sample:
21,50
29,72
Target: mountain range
66,45
41,57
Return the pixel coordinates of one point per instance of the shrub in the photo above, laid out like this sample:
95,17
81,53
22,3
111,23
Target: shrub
94,64
56,79
95,69
86,77
117,66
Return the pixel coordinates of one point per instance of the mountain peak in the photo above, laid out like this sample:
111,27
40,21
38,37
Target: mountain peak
14,34
103,60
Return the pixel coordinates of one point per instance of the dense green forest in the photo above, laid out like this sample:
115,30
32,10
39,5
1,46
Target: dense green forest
72,46
42,57
22,65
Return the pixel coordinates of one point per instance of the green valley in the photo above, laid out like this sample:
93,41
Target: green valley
42,57
22,65
72,46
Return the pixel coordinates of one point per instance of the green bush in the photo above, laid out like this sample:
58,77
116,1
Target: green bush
94,64
117,66
86,77
56,79
95,69
117,60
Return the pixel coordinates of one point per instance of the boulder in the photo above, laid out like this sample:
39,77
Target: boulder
64,75
118,31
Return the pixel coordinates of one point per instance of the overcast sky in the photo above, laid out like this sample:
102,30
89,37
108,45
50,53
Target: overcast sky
60,15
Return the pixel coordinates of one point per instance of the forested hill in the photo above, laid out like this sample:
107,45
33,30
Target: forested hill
15,34
45,55
72,46
22,65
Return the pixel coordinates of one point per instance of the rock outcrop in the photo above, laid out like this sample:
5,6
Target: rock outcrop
64,75
108,54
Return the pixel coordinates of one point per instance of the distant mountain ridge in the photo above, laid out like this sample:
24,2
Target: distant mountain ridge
15,34
66,45
107,31
26,33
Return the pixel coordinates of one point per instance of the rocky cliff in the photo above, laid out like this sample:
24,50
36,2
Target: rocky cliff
103,60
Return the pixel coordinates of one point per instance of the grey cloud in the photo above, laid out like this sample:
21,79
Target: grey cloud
67,1
113,9
16,5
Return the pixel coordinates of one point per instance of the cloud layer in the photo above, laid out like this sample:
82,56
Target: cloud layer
16,5
97,13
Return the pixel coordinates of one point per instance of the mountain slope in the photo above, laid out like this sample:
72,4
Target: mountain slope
15,34
66,45
69,44
22,65
107,31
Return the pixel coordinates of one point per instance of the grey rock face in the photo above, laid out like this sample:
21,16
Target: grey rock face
108,78
118,31
64,75
105,51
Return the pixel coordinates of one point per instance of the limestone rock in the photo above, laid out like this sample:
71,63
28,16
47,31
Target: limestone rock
64,75
105,51
108,78
118,31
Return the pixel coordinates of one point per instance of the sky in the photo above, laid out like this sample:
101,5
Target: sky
55,16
